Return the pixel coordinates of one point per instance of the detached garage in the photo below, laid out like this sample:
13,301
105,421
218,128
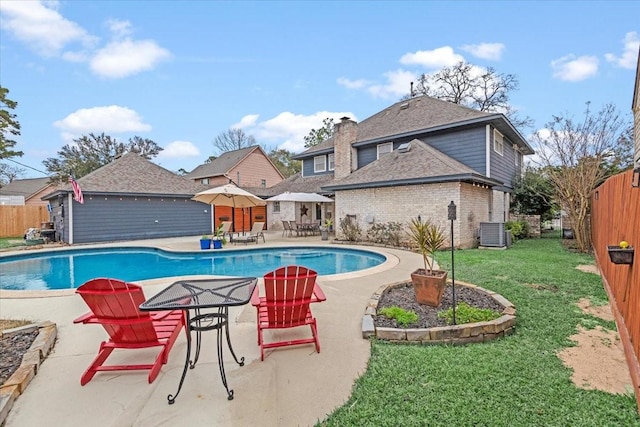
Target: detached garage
130,198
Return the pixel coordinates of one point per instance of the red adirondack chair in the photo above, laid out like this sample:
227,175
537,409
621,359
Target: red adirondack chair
288,293
114,305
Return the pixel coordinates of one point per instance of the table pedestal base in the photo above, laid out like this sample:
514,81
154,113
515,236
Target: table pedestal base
207,322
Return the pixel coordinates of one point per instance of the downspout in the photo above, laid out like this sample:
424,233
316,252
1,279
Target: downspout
487,171
488,167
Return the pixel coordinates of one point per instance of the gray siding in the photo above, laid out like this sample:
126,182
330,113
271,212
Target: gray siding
503,167
130,218
307,167
466,146
367,155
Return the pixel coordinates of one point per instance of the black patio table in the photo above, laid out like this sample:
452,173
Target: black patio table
202,294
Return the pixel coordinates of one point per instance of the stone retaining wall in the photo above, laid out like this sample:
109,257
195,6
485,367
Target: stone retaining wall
453,334
31,361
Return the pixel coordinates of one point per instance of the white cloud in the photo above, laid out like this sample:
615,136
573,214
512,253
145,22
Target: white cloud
398,84
352,84
110,119
489,51
179,150
119,28
572,69
126,57
41,26
432,59
629,56
287,130
246,121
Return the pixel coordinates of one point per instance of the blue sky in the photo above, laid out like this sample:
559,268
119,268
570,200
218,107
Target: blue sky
182,72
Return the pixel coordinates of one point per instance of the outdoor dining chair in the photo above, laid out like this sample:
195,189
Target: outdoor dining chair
289,291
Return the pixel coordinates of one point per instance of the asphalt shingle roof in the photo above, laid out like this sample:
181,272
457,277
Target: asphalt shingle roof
415,114
133,174
222,164
24,187
419,114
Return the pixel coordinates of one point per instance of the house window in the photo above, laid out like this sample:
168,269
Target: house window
385,148
516,158
204,181
276,207
498,142
263,183
332,162
319,164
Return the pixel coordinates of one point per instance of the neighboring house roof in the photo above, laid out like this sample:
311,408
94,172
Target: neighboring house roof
24,187
421,115
221,165
299,184
133,174
422,164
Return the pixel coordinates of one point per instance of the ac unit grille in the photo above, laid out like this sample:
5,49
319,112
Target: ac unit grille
492,234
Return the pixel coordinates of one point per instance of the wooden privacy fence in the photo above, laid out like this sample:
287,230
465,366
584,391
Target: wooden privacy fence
14,220
615,216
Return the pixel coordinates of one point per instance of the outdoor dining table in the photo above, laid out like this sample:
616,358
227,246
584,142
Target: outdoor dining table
196,296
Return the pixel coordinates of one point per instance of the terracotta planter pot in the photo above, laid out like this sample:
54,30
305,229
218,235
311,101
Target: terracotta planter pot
429,288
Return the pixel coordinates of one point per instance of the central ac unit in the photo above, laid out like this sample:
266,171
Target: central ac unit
492,234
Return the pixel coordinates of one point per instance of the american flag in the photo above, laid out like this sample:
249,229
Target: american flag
77,192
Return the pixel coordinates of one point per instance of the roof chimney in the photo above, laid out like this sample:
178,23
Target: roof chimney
345,134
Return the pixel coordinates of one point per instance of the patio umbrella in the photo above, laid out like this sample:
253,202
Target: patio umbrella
229,195
300,197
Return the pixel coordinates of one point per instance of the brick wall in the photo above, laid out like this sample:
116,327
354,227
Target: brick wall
401,204
532,220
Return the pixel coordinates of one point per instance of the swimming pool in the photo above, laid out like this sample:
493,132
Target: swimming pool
68,269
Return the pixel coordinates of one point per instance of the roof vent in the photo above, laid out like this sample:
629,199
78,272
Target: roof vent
404,106
404,148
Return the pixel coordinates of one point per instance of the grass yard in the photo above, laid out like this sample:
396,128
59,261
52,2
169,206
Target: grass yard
10,242
515,381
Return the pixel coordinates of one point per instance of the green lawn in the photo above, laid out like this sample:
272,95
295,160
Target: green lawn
515,381
9,242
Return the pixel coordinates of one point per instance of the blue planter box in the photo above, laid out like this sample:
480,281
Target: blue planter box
217,244
205,244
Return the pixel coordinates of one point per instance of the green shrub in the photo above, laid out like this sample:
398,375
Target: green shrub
519,229
467,314
402,316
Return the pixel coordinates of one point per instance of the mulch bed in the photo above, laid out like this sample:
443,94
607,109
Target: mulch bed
403,296
11,351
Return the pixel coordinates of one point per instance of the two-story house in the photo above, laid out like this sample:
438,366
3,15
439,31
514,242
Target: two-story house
414,158
249,168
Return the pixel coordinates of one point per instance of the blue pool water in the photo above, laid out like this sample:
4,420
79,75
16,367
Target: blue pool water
70,268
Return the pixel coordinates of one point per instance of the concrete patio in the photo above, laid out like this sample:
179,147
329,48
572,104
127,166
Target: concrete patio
293,386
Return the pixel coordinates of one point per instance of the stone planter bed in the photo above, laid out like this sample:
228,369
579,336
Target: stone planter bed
454,334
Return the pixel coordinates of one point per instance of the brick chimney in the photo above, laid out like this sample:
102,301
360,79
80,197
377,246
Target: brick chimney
345,133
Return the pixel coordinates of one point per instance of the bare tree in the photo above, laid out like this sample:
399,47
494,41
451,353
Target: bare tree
233,139
474,87
9,173
574,154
